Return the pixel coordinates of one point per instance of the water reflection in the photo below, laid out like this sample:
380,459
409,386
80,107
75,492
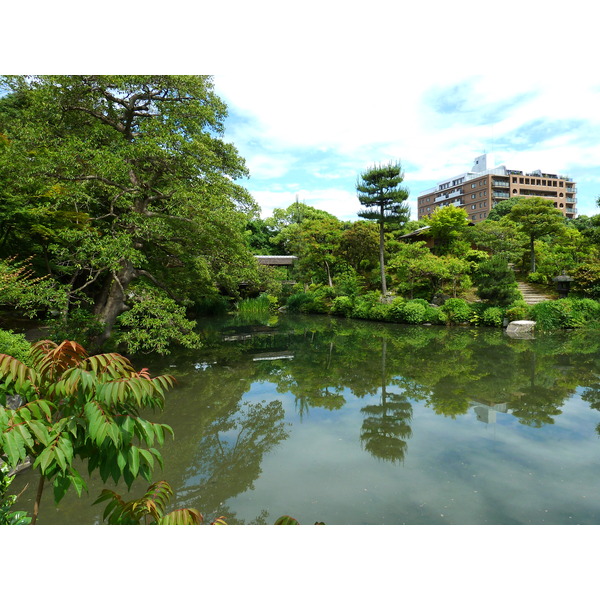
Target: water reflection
324,363
258,400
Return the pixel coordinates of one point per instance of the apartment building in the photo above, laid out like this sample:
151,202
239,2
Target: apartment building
478,190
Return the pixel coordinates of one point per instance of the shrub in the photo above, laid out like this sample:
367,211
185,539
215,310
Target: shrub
380,312
14,344
537,278
348,284
298,301
518,311
457,310
342,305
434,315
587,311
496,281
254,307
586,280
556,314
363,306
493,316
395,309
413,312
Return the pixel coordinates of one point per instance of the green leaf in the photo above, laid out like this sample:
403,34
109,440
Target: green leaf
286,520
40,430
60,484
45,459
78,482
134,460
14,447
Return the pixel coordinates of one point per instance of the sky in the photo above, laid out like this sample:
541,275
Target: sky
317,92
310,135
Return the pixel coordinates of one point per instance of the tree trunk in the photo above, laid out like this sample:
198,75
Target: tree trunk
38,500
112,301
381,259
330,282
532,251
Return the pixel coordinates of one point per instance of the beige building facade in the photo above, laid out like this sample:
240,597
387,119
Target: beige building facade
478,190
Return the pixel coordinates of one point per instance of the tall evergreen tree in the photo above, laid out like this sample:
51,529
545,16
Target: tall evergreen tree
536,217
380,191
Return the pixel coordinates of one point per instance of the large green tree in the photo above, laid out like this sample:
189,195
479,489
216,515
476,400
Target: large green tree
123,179
380,191
536,217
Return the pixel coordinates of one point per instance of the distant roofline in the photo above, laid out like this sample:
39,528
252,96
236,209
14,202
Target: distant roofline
499,170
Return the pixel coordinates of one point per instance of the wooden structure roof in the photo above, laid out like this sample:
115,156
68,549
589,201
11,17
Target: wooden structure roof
276,261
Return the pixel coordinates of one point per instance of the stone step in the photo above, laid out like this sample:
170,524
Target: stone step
530,296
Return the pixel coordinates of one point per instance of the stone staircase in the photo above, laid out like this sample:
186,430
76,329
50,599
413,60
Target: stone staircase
530,295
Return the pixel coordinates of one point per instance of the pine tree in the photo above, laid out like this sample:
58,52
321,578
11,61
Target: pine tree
379,190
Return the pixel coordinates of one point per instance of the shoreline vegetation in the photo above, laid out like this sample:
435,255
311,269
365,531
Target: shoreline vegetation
124,223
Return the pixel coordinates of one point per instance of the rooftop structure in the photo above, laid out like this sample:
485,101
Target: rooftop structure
478,190
276,261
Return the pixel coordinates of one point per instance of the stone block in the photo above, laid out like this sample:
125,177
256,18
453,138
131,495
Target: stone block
520,329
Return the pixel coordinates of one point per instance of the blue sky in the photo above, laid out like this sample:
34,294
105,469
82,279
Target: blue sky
321,90
311,134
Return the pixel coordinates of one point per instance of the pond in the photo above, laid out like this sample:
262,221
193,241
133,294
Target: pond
351,422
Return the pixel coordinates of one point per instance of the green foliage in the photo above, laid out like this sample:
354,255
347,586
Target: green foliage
586,279
298,302
20,288
7,516
566,313
537,277
151,508
79,407
211,305
457,310
78,325
498,237
154,323
413,312
256,307
380,191
501,209
364,305
493,316
496,282
518,311
342,305
114,179
536,217
447,224
348,283
14,344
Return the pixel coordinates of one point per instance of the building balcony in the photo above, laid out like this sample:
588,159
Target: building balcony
498,183
502,195
571,211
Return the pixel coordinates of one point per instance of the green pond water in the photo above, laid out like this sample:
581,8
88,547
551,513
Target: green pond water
351,422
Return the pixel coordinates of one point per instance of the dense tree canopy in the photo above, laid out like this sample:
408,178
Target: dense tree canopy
536,217
123,179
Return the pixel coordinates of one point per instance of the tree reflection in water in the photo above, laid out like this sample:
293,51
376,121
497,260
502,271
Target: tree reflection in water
325,361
